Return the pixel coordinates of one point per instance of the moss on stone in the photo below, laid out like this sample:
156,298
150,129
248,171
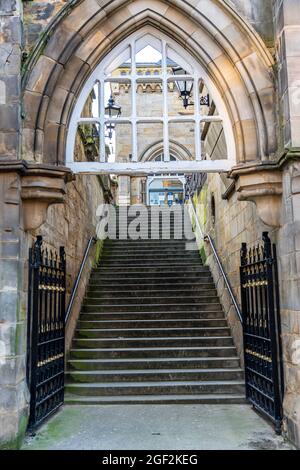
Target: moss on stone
17,441
98,253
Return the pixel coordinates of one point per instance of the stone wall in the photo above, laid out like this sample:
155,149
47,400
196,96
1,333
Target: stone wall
287,23
287,31
289,276
10,64
259,14
234,222
71,225
13,389
38,14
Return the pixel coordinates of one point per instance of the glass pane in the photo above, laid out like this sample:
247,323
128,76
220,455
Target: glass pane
166,191
121,65
182,139
91,107
87,143
148,59
120,142
176,65
120,93
181,98
149,98
213,141
149,140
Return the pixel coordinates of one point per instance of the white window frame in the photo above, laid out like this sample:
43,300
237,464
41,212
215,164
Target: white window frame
119,54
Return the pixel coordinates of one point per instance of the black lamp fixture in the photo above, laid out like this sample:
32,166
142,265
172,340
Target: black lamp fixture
112,110
185,88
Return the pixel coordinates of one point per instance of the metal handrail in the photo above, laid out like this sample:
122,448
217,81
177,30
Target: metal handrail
207,238
76,284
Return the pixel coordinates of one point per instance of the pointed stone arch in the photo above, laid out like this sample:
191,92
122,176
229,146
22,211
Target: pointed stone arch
86,30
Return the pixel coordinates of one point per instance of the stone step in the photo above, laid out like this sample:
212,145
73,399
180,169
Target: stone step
142,244
155,375
151,267
151,332
153,307
146,277
127,257
152,329
152,342
203,399
154,315
150,251
159,236
150,246
178,323
128,283
159,387
143,299
152,352
150,291
149,262
154,363
154,290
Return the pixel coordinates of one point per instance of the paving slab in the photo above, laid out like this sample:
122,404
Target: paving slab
156,427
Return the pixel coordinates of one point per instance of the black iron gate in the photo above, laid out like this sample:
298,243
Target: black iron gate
46,331
261,325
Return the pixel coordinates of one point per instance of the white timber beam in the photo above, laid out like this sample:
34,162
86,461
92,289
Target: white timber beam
151,168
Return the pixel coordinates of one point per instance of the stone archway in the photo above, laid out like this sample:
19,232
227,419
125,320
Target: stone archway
231,52
83,33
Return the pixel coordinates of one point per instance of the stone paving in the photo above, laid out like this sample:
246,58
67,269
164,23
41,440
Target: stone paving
157,427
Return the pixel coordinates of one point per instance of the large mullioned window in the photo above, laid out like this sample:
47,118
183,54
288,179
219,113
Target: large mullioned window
148,87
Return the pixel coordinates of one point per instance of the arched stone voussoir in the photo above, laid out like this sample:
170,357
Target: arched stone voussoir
210,30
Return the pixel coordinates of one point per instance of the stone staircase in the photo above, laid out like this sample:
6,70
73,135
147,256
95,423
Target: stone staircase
152,330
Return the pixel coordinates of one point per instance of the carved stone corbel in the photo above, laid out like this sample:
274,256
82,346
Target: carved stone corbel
41,187
261,184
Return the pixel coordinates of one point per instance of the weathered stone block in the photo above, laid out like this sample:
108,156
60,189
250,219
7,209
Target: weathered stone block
291,12
292,43
31,105
10,59
9,117
12,339
10,30
61,40
12,370
57,104
9,89
296,206
9,144
8,7
9,306
40,74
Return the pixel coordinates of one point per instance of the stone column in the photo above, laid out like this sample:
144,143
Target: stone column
287,24
13,390
10,67
124,190
136,196
287,29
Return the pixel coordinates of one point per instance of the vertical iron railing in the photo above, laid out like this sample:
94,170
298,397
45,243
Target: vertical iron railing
261,328
46,331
